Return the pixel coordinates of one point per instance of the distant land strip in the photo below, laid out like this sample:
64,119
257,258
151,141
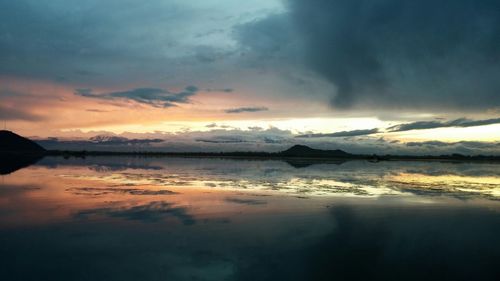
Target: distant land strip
15,149
296,152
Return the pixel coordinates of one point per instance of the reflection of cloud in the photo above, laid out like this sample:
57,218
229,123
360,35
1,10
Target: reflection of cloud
245,201
379,243
392,243
102,164
115,167
350,179
11,190
439,183
152,212
104,191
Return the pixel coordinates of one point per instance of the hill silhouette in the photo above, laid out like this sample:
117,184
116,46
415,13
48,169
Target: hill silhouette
305,151
14,143
17,152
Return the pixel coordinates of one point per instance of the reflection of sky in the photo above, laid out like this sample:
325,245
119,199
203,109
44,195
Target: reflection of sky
353,178
212,219
173,189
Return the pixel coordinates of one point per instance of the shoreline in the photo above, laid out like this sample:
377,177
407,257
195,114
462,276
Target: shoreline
273,156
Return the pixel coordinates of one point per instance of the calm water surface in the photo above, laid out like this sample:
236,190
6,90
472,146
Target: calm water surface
124,218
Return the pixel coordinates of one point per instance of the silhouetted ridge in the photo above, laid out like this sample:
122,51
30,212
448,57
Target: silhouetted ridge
17,152
13,143
298,148
305,151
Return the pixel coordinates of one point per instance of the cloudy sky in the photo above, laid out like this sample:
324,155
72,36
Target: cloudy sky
365,76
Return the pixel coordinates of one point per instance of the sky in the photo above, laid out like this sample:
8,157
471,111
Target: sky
388,76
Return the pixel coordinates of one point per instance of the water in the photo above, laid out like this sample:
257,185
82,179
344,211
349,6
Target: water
121,218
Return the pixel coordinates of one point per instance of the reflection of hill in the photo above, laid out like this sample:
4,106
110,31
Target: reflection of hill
17,152
295,152
12,162
304,163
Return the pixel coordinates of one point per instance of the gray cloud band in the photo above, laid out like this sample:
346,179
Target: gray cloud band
420,125
461,122
246,109
150,96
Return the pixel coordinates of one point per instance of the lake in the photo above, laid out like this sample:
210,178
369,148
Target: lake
132,218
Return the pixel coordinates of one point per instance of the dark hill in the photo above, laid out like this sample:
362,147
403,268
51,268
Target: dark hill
13,143
17,152
306,151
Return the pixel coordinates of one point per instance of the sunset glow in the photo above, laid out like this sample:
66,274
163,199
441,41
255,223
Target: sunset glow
266,140
256,67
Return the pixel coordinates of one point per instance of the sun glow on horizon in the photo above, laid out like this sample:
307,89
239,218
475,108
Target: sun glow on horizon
294,125
297,126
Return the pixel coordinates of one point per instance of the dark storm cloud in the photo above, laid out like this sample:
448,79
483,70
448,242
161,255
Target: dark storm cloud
405,54
268,37
246,109
150,96
461,122
352,133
